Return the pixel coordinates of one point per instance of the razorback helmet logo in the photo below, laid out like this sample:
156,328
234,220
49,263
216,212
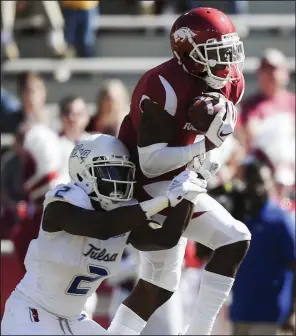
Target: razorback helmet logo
182,34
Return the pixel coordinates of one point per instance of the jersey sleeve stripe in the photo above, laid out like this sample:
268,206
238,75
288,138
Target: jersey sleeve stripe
171,100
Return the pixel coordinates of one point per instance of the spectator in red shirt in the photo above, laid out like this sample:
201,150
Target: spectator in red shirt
272,97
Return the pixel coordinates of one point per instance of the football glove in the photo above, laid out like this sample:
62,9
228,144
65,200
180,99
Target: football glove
223,124
206,165
186,185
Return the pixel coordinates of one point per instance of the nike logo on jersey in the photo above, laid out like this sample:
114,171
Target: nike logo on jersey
100,254
222,134
188,127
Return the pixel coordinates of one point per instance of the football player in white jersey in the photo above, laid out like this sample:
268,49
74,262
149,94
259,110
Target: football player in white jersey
85,227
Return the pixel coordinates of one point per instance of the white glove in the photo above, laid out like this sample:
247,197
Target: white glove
224,122
206,165
184,184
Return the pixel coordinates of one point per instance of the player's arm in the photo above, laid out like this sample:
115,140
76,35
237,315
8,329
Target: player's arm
146,238
60,214
102,225
183,194
156,130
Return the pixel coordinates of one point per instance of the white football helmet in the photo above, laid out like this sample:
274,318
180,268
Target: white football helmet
101,167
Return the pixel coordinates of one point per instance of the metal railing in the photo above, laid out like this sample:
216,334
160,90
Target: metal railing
103,65
257,21
252,21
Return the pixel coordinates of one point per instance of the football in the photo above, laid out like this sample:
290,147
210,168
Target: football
202,110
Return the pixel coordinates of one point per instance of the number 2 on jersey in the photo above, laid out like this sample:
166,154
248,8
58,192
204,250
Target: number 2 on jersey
74,288
60,193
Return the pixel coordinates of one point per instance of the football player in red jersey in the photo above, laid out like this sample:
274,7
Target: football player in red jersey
208,57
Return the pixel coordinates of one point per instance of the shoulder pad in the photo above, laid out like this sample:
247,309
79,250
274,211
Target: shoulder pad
68,193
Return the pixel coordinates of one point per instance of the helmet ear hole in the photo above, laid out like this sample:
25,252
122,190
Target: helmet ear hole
79,178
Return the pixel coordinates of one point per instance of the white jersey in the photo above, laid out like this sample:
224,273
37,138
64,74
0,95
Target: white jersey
63,270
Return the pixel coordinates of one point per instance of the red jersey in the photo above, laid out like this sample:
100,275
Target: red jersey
173,89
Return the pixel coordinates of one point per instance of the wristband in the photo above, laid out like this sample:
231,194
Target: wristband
154,206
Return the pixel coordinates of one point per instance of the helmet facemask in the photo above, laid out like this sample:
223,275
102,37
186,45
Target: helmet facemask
112,180
223,60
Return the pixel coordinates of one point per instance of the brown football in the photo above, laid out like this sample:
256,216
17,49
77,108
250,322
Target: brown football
202,111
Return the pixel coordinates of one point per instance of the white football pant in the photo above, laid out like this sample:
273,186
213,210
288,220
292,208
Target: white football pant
24,317
117,297
211,225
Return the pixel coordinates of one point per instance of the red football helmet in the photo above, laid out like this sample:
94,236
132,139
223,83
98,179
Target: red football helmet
204,40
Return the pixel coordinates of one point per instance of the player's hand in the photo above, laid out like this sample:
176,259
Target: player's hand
186,185
207,165
223,124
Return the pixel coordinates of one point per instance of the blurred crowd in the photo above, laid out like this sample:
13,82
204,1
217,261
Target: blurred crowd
71,31
256,184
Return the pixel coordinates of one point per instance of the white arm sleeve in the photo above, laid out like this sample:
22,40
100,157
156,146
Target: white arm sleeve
159,159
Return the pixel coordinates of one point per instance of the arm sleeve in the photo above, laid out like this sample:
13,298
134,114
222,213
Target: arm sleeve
158,106
94,224
79,218
159,159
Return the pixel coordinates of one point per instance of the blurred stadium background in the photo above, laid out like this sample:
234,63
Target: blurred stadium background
63,61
